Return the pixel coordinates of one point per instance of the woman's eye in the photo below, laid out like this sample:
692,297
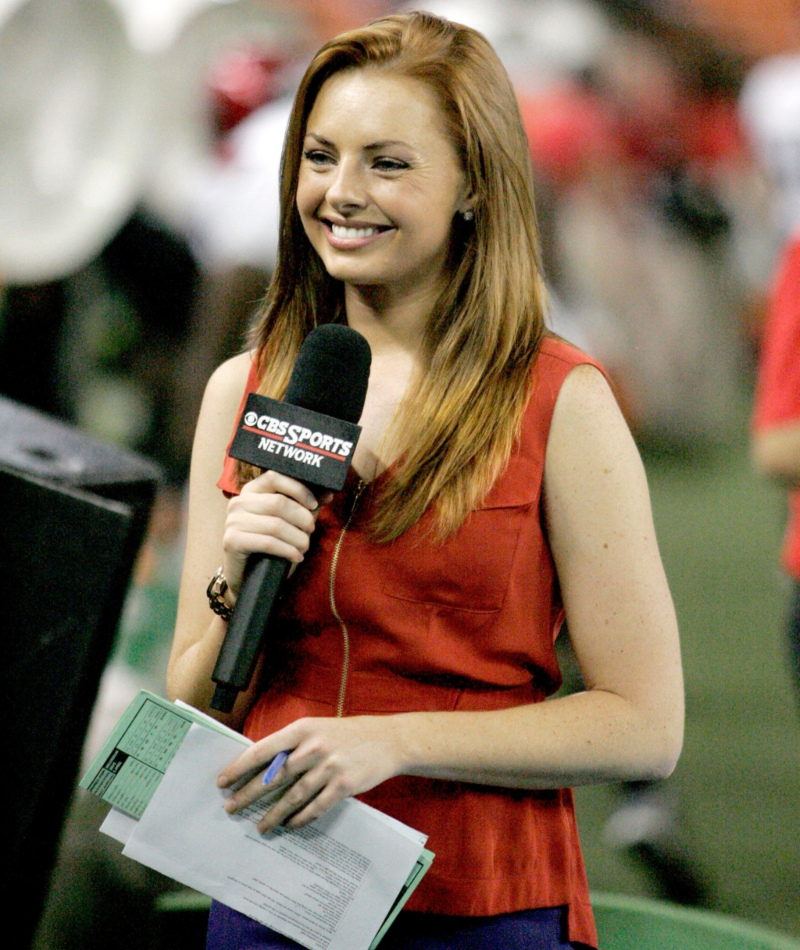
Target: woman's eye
317,157
389,164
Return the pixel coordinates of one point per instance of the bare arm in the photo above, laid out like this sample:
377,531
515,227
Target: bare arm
271,516
627,724
776,453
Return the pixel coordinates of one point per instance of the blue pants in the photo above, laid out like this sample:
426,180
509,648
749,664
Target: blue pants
543,929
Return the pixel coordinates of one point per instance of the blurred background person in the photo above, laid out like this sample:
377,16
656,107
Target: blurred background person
776,420
770,109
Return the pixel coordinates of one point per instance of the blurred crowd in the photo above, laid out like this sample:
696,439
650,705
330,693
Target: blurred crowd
139,193
140,142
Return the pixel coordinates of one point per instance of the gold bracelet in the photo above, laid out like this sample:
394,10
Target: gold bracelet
216,595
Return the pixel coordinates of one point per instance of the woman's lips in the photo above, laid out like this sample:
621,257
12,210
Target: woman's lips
353,235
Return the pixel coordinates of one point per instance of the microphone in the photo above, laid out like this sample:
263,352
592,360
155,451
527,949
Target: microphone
309,436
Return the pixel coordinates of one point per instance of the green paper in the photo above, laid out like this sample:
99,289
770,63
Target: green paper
128,769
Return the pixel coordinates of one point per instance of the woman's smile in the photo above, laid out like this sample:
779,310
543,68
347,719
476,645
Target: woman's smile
352,236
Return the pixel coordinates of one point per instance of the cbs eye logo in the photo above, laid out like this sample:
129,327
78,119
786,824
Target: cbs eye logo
251,418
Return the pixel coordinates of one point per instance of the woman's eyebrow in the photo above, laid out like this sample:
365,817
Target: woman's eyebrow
319,138
372,147
377,146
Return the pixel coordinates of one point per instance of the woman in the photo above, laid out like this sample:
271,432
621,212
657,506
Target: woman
494,482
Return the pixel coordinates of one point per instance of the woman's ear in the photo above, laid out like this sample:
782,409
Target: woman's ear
466,208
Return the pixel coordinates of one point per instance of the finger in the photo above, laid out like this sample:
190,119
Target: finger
272,537
296,797
255,758
251,788
327,798
245,509
251,791
264,532
280,484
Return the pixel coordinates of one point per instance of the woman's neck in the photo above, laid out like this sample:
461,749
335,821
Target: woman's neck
391,323
395,331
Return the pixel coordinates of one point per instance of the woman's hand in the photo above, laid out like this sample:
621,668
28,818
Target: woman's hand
330,759
274,514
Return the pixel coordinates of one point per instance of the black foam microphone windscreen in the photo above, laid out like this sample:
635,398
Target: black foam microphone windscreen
331,373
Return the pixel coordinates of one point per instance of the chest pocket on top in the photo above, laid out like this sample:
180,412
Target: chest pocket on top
470,570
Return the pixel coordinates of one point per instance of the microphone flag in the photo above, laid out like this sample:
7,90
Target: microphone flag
295,441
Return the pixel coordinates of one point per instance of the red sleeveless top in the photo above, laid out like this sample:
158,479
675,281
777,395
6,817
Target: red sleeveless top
469,623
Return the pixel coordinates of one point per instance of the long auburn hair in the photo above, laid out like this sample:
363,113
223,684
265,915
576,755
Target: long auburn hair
456,430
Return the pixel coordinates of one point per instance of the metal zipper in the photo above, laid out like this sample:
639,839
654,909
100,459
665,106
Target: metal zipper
345,635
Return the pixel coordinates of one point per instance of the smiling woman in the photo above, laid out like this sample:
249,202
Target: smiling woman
380,184
495,489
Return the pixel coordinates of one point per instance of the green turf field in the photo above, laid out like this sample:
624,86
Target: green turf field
737,784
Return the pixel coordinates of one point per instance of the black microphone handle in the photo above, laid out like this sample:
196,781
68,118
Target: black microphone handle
241,647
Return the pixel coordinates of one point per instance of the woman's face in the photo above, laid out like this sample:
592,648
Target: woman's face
379,181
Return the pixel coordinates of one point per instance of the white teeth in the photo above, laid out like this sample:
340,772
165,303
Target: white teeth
341,232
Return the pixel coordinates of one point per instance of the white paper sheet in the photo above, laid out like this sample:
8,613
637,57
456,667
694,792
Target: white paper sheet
329,885
118,825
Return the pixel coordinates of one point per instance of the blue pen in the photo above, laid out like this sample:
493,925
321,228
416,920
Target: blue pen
275,766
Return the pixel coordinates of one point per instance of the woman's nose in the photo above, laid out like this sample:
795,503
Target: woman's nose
348,187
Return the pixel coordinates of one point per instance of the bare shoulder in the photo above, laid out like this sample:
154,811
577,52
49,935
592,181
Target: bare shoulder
228,380
586,399
592,466
234,369
587,422
222,397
